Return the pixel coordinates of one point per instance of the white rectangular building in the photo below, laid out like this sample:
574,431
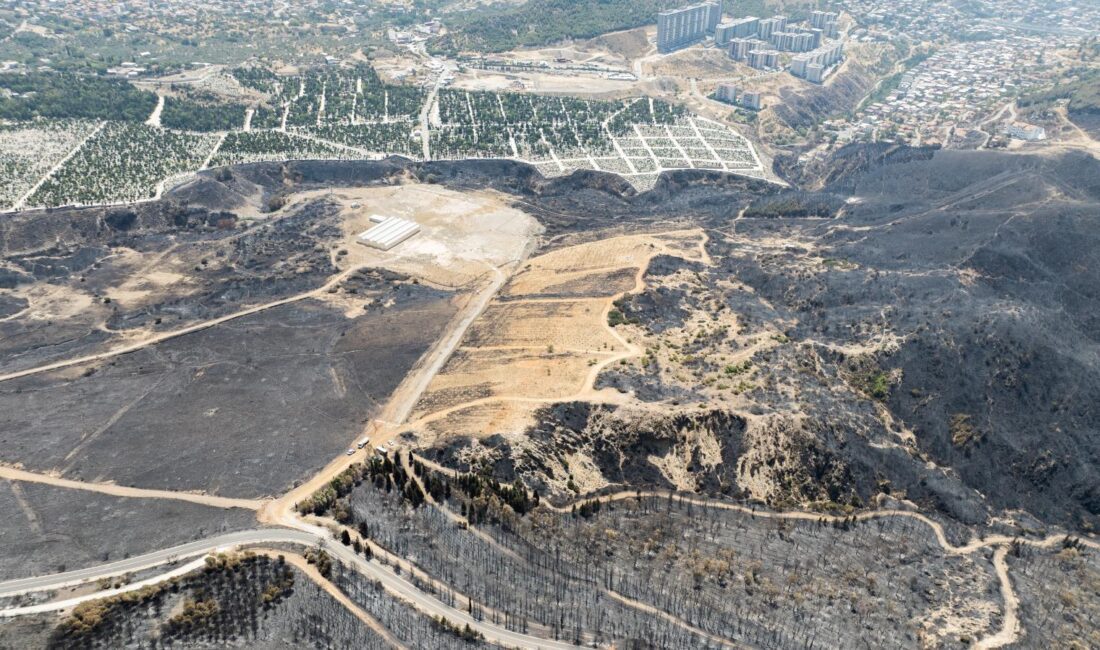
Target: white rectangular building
388,232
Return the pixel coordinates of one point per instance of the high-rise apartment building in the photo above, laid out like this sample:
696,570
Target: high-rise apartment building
678,28
740,48
740,28
813,65
727,93
826,21
819,19
764,59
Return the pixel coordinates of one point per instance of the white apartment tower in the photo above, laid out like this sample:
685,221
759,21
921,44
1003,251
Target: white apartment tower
678,28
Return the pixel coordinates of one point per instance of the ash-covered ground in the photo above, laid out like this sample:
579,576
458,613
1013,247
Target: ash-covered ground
901,328
240,409
197,348
934,319
52,529
945,300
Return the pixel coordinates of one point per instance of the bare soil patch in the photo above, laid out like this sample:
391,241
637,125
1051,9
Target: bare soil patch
463,234
528,349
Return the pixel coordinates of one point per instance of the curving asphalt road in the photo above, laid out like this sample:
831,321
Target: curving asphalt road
393,583
156,558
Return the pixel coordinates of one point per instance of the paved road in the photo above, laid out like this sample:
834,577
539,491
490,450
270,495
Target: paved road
58,605
393,583
149,560
427,604
425,117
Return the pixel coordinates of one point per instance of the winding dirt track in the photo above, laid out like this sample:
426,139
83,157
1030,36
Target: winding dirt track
610,593
197,327
801,515
311,572
1010,627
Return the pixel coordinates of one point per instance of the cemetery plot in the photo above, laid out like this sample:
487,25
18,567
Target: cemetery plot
635,138
259,146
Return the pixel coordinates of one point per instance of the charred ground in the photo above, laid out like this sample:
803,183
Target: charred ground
951,296
899,326
976,265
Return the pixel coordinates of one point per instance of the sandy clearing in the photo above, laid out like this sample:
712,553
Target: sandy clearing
556,326
463,234
535,351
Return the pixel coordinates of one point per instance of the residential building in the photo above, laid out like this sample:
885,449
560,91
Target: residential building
815,73
727,93
679,28
822,59
767,27
740,47
732,94
819,19
739,28
764,59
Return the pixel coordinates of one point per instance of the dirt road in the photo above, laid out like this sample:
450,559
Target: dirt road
1010,627
311,572
165,336
392,421
13,474
397,409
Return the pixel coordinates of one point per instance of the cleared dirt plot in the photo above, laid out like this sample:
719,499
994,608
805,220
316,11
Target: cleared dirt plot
533,346
487,417
463,236
51,529
608,256
242,408
571,284
473,79
550,325
473,374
